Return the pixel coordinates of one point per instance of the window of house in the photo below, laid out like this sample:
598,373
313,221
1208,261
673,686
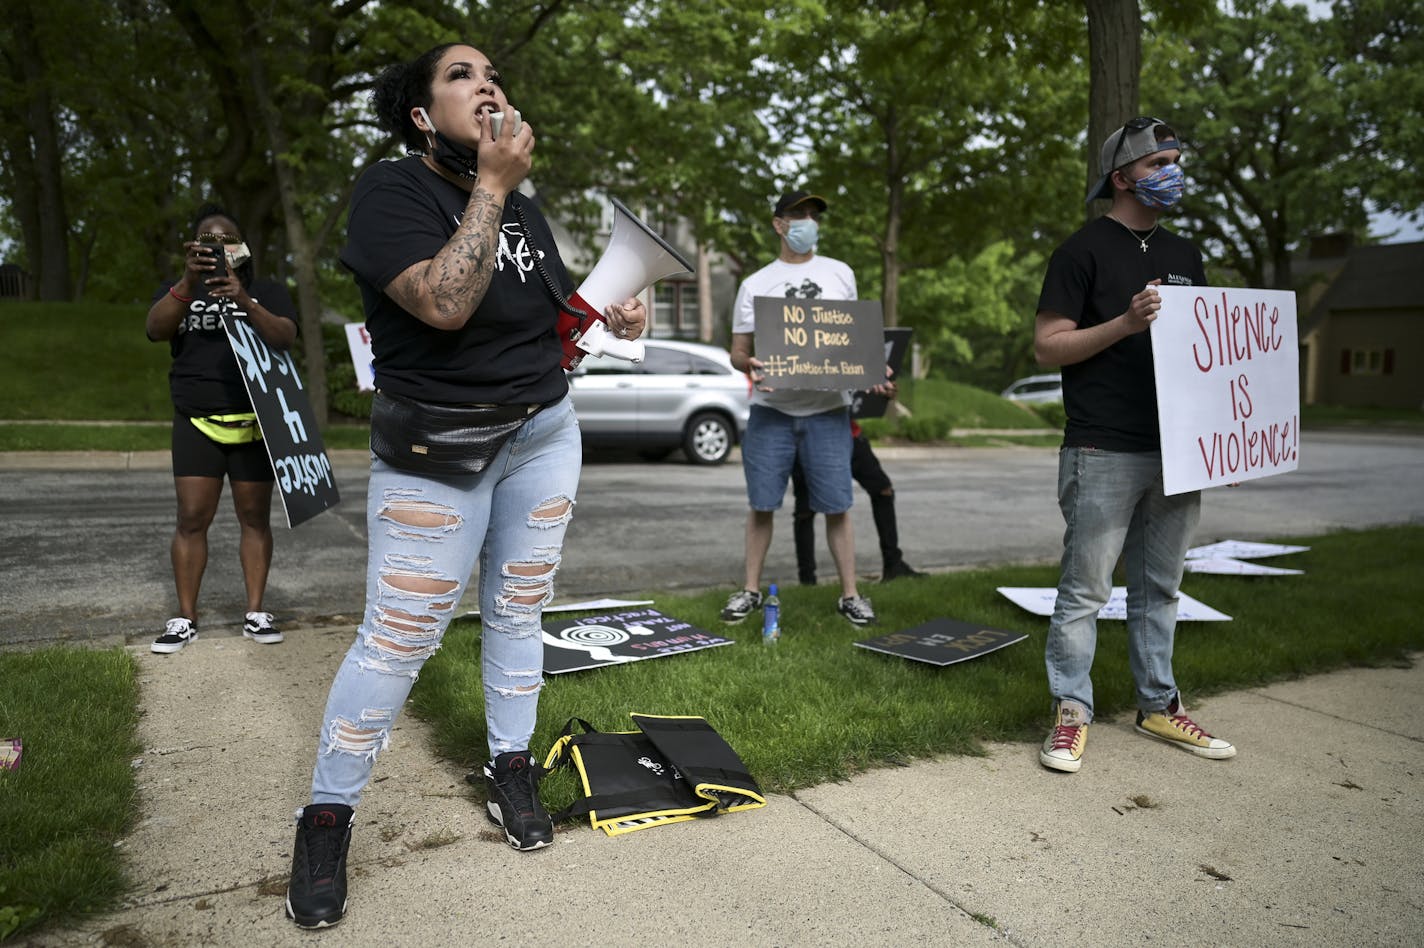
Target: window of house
675,310
1366,361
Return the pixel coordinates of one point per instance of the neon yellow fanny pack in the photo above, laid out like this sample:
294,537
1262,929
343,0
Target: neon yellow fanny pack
230,429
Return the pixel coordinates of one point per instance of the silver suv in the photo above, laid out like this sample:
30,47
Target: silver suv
682,395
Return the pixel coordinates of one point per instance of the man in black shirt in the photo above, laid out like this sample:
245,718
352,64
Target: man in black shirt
1099,298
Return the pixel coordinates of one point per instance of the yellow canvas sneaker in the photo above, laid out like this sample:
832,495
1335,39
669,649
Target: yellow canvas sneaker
1172,726
1063,749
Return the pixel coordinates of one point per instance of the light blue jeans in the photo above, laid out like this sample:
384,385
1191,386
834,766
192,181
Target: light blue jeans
424,537
1113,504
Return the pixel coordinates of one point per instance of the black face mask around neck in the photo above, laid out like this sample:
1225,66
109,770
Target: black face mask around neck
459,160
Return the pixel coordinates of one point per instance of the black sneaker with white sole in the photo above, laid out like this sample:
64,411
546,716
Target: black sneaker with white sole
316,894
512,780
177,632
857,609
258,627
741,604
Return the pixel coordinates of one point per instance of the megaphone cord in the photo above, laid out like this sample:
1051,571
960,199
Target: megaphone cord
549,283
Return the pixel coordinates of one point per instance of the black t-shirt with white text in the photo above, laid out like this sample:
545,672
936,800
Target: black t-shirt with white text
205,378
1111,397
508,352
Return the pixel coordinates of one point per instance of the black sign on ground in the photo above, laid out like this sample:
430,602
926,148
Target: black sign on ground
599,641
868,404
943,642
820,344
304,478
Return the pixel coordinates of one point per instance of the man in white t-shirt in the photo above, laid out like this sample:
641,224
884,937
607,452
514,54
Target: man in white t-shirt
786,426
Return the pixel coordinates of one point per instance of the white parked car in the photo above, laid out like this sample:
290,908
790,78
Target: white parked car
1036,388
682,395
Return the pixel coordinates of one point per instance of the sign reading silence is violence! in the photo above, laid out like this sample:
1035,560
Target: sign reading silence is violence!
1227,363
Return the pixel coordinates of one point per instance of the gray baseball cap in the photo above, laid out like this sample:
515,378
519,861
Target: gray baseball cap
1137,139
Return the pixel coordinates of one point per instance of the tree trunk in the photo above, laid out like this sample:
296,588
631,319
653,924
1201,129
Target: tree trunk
303,249
1114,73
49,256
704,293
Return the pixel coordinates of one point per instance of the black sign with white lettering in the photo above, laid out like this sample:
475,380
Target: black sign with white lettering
820,344
294,444
943,642
868,404
598,641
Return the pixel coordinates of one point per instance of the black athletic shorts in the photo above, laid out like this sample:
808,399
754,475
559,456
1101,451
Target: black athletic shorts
197,455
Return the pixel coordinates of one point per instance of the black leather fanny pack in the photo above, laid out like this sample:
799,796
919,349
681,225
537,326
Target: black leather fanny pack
442,440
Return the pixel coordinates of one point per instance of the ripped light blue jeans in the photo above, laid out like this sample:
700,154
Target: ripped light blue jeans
1113,505
425,535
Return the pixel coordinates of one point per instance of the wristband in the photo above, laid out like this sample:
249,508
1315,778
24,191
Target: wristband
182,299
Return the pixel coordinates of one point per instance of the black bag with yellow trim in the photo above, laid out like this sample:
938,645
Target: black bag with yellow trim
673,768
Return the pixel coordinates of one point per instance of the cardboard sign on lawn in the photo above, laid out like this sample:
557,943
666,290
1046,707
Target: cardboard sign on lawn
599,641
943,642
294,445
868,404
1040,600
820,344
1228,385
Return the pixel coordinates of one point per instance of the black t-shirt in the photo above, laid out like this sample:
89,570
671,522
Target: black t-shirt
205,378
1110,398
508,352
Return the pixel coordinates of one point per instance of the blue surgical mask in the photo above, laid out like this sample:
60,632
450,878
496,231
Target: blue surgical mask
1162,188
801,235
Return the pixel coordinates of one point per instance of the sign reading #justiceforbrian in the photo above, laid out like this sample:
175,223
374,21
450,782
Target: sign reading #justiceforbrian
597,641
289,430
820,344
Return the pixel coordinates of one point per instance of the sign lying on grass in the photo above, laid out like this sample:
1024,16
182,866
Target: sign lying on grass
943,642
1227,366
820,344
1226,566
1242,550
289,430
1040,599
597,641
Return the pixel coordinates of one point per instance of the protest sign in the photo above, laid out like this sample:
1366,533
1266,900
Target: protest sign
1226,566
1040,601
358,342
820,344
1243,550
599,641
289,430
1227,365
868,404
943,642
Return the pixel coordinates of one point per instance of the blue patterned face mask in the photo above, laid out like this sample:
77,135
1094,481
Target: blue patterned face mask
801,235
1162,188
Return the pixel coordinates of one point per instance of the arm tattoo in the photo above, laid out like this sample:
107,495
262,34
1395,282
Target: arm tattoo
457,278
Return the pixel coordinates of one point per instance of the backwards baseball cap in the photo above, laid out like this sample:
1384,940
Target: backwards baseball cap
792,199
1137,139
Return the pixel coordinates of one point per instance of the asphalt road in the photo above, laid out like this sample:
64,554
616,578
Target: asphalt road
84,538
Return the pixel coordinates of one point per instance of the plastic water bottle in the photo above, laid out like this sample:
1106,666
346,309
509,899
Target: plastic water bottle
771,618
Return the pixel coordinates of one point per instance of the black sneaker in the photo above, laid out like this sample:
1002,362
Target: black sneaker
741,604
900,570
258,627
177,632
512,780
316,894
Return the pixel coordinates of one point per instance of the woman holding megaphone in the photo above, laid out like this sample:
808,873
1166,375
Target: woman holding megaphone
476,451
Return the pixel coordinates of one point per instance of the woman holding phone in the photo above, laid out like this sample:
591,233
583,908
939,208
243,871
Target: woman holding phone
476,450
215,431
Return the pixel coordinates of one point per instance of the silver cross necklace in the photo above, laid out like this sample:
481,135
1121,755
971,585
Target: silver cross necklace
1140,239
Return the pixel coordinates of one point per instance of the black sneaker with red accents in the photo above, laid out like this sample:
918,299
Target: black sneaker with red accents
512,780
316,894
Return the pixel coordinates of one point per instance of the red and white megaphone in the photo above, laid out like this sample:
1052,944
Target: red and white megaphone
634,260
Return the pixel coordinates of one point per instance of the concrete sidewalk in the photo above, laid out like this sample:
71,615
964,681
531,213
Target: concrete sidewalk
1310,836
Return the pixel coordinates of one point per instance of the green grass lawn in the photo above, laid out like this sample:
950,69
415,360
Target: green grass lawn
811,709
